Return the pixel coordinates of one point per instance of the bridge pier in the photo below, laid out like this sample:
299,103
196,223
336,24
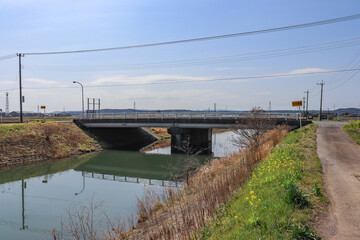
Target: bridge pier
191,140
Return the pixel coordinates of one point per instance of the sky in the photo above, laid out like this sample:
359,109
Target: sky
198,72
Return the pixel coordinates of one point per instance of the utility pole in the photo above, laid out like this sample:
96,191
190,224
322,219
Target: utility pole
269,106
134,105
214,107
7,111
307,101
322,86
304,104
20,87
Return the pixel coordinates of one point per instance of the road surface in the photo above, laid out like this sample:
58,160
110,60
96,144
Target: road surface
340,158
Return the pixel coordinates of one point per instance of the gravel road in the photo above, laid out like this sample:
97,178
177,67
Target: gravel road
340,158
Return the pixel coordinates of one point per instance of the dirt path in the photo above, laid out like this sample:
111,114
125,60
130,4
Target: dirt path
340,158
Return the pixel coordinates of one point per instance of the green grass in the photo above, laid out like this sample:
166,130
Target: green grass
12,129
353,130
280,198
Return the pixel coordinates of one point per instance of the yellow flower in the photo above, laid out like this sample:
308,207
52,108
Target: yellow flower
247,198
236,216
259,199
252,192
251,203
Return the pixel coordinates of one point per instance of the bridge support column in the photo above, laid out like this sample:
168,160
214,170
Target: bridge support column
191,140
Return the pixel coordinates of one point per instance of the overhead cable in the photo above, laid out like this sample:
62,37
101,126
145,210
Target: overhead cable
206,80
241,34
203,61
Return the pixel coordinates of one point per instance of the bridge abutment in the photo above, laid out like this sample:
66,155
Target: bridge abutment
191,140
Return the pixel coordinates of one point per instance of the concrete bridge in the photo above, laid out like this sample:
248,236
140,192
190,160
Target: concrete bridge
188,129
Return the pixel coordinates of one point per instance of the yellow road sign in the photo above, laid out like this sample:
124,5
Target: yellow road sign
43,107
296,103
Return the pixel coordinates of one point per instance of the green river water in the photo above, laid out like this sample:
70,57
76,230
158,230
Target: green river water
37,198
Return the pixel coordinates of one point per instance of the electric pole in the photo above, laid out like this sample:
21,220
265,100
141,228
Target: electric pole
307,101
269,106
20,87
322,86
304,104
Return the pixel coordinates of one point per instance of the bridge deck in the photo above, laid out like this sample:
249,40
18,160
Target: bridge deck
183,120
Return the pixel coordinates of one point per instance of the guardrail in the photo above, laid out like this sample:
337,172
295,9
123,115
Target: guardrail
187,115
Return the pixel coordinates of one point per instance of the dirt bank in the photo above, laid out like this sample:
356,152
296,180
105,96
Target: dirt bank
340,157
26,143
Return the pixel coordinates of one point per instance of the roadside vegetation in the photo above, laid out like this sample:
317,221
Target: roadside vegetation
353,130
280,199
31,142
180,214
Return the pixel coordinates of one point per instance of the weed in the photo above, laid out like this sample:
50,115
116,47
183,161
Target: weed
316,190
303,233
295,196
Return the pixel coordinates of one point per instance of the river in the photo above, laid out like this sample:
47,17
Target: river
37,198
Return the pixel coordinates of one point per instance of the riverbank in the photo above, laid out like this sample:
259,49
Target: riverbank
32,142
280,200
183,213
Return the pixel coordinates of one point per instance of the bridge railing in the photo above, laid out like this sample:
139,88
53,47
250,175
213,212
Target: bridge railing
138,180
186,115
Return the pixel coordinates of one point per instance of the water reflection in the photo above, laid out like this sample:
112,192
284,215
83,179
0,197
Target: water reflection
35,198
222,145
134,167
30,207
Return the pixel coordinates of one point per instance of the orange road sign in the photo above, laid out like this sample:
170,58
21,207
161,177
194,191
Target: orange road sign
297,103
43,107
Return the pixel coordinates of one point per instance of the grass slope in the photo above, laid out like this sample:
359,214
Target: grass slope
25,143
281,197
353,130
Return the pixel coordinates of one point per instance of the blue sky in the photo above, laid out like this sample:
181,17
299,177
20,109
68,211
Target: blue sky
40,26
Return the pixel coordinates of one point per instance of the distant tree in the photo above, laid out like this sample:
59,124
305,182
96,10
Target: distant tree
249,131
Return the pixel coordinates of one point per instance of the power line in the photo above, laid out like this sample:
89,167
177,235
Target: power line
201,61
241,34
203,80
351,64
349,76
8,57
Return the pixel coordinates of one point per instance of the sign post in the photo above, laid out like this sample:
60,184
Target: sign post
44,107
298,104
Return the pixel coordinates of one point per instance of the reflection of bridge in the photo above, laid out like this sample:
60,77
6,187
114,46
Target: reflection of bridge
186,128
134,167
144,181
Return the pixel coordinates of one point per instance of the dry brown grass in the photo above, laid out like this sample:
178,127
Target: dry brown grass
185,212
40,141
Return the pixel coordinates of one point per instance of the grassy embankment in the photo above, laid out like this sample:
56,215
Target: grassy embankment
26,143
281,198
180,214
353,130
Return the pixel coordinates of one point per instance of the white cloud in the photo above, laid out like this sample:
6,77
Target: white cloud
40,81
6,82
145,79
307,70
